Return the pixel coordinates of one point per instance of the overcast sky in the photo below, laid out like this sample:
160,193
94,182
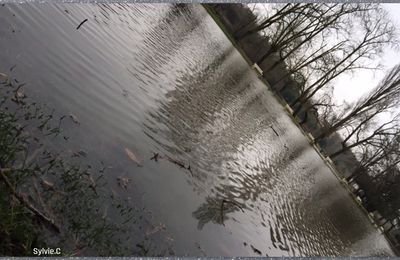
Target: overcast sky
349,88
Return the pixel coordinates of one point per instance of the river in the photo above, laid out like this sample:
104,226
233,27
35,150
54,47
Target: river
163,78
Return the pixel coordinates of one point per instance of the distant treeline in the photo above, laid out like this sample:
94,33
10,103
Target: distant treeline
237,18
377,191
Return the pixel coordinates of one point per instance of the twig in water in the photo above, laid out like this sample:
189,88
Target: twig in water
180,164
155,157
79,26
23,201
255,250
44,206
190,170
74,119
274,130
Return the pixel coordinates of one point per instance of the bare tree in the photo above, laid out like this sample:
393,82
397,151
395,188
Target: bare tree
363,136
378,155
384,98
323,106
376,30
381,178
311,62
278,12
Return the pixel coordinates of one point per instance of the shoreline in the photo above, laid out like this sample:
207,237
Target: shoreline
339,176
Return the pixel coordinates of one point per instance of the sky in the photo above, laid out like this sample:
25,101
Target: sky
349,88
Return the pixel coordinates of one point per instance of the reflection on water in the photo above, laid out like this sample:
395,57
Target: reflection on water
234,176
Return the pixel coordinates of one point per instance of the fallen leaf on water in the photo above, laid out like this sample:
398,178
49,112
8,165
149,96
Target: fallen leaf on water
133,157
47,184
74,118
79,153
3,77
20,94
123,182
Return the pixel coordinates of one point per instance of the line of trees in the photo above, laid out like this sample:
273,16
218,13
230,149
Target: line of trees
318,43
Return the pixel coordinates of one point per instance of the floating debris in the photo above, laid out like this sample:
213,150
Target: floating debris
123,182
47,185
274,130
74,119
79,153
155,157
180,164
18,95
133,157
3,77
79,26
255,250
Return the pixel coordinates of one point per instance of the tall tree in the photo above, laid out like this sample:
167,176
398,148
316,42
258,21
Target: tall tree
383,99
323,40
374,32
277,11
390,128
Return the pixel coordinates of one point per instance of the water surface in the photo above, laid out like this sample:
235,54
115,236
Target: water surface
163,78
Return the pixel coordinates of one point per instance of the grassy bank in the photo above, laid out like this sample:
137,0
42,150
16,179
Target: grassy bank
19,232
56,199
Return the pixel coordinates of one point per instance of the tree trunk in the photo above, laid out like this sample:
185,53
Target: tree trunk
344,149
305,118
